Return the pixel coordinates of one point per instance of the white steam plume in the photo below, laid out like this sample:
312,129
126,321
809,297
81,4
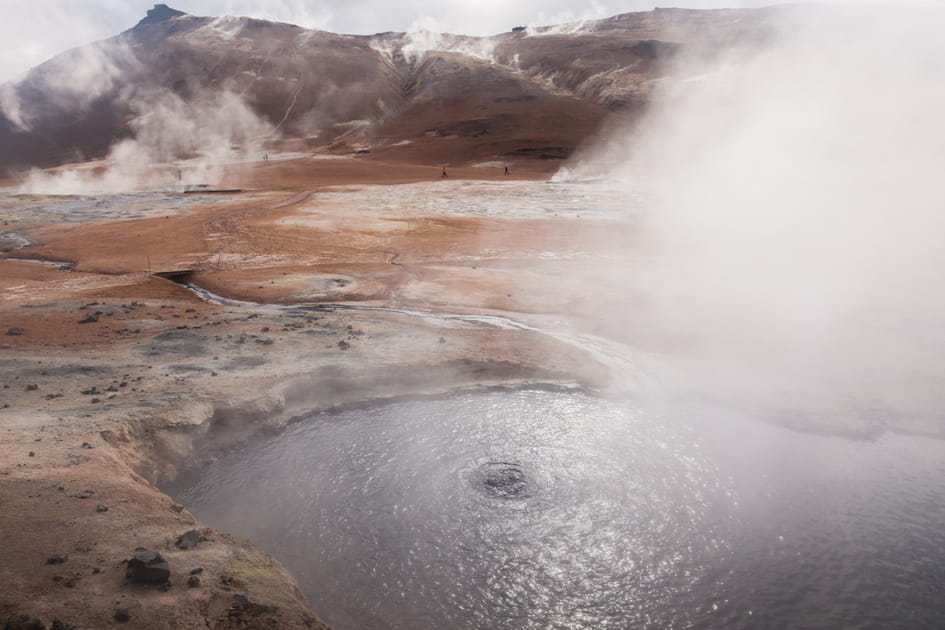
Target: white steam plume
208,131
424,36
794,257
72,80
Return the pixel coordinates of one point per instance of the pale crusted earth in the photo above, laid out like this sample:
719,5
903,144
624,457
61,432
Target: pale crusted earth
111,378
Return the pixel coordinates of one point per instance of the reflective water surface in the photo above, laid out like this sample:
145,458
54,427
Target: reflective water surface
550,509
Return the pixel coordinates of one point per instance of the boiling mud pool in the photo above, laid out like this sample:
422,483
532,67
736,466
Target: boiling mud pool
546,509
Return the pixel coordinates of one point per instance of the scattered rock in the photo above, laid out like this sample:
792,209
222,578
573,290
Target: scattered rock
122,615
193,581
85,494
344,345
23,622
59,558
32,454
87,445
32,387
61,625
101,508
197,571
189,540
15,331
89,319
95,400
148,567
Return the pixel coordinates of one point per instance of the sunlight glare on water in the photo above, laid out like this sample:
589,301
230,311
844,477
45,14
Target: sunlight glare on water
530,509
537,509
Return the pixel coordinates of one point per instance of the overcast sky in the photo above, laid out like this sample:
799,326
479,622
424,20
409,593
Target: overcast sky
32,31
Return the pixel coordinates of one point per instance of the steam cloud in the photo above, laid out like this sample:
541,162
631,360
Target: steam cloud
207,130
793,257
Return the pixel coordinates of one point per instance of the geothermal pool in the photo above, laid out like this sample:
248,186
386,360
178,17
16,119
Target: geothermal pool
546,508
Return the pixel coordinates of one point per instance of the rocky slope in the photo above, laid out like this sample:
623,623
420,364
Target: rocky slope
526,93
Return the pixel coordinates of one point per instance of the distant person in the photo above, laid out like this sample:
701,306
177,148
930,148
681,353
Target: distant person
444,176
508,171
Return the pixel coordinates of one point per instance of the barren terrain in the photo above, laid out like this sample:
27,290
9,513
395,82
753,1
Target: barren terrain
113,376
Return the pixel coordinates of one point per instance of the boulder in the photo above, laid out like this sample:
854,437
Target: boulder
148,567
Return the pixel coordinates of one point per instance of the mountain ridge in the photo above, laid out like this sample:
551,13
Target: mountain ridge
460,97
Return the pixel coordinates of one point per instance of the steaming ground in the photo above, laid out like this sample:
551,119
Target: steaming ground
111,376
796,224
765,247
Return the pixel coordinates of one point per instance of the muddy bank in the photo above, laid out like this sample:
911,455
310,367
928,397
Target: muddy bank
92,421
113,379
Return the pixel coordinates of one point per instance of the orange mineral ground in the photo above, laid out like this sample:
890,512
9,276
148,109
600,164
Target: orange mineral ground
113,377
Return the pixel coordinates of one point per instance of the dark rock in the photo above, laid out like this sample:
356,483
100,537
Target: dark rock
122,615
344,345
101,508
23,622
148,567
95,400
85,494
89,319
32,387
193,581
197,571
189,540
32,454
91,392
61,625
242,604
59,558
87,445
15,331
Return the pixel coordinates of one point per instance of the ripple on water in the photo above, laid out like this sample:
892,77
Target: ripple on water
536,509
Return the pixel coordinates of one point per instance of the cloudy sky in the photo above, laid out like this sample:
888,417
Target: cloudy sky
34,30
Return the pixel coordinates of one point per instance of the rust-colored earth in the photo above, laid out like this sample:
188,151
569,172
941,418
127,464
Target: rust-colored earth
112,377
